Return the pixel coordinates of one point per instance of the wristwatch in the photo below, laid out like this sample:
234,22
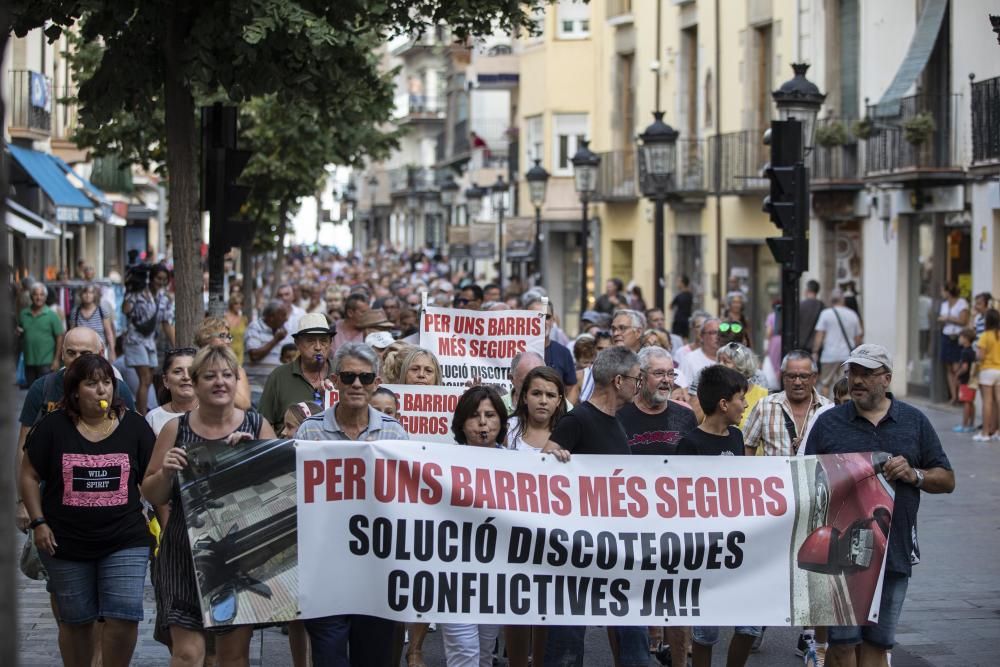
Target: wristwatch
920,478
35,523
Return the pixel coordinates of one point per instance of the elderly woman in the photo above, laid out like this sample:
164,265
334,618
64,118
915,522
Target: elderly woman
420,366
480,420
41,332
91,535
742,359
90,314
215,332
214,371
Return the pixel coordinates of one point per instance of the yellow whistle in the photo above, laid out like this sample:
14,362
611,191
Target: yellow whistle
104,405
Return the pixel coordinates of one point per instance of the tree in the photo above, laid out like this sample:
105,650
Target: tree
173,50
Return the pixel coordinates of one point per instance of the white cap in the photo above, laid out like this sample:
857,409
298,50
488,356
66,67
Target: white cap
379,340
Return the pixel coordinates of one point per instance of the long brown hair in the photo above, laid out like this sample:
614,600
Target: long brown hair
521,409
85,367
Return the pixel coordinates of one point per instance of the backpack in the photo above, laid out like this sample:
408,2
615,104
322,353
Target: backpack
47,388
146,328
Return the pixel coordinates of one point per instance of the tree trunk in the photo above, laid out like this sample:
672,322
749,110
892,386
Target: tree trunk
182,168
279,263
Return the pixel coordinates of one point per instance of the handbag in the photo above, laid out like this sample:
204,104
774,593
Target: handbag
29,562
966,394
843,331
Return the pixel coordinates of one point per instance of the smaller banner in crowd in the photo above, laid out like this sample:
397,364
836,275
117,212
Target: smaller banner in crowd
473,344
426,412
519,237
458,241
482,240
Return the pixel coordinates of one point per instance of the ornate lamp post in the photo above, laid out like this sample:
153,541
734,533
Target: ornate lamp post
585,164
449,192
658,162
372,218
538,181
351,199
498,191
799,99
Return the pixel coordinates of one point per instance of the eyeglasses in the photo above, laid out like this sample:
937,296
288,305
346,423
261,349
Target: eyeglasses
638,380
798,377
726,327
659,375
866,374
224,335
621,329
349,378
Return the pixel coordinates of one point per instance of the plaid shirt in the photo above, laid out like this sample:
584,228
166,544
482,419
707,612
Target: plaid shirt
766,424
324,426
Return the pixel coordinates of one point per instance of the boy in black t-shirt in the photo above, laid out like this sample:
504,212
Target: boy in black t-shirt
966,394
721,393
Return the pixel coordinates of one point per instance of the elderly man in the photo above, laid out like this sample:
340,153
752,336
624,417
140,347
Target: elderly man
286,294
301,380
875,420
369,640
46,392
557,356
351,328
627,327
593,428
704,356
41,332
263,339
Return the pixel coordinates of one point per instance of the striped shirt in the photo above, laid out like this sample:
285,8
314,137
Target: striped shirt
324,426
772,424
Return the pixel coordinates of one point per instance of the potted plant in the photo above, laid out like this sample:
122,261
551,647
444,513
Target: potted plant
833,133
919,128
863,128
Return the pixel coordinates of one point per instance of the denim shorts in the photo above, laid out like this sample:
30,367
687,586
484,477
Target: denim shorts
708,635
109,587
141,354
883,633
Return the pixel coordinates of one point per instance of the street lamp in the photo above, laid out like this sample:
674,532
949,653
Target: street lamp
351,199
799,99
372,219
499,193
538,181
658,159
432,213
473,202
449,192
585,164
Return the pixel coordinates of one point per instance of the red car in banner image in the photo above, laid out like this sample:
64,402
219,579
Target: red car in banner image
849,529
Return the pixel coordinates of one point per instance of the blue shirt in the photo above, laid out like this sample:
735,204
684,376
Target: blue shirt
559,358
324,426
46,392
904,431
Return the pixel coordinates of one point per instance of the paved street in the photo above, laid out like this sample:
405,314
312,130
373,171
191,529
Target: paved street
950,618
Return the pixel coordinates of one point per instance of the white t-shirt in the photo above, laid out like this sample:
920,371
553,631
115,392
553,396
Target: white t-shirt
517,441
951,329
835,348
694,362
159,417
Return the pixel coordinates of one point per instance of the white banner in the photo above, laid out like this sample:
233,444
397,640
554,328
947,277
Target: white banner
472,343
419,531
426,411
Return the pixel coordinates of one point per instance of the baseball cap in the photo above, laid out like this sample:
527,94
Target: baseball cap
871,356
313,323
379,340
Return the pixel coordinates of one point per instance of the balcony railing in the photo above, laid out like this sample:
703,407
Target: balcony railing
407,179
618,8
738,156
891,147
30,101
835,162
986,120
423,107
64,117
618,176
691,166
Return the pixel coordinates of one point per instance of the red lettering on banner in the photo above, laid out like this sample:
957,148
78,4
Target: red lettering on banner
451,347
429,403
470,326
593,497
515,326
438,322
312,474
496,349
778,505
461,487
421,425
407,482
432,492
753,502
710,497
344,479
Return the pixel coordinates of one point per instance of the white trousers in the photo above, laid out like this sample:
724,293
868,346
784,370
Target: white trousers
468,645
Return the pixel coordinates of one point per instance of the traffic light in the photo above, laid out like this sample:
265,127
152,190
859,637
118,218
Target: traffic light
222,164
788,202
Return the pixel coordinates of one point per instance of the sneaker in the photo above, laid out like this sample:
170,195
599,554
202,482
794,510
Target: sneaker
805,639
970,429
958,429
982,437
816,655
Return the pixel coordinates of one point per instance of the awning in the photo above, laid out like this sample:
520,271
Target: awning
916,58
22,221
72,206
81,183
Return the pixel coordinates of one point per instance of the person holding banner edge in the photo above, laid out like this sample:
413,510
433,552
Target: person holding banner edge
874,420
366,639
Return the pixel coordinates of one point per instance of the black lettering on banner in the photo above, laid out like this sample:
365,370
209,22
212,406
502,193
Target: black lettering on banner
520,594
670,552
694,550
733,542
714,551
619,597
359,545
398,581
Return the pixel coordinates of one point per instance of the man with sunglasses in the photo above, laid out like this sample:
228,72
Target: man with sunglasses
367,639
875,420
706,355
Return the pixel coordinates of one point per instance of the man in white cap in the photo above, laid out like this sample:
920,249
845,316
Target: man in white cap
874,420
302,380
379,341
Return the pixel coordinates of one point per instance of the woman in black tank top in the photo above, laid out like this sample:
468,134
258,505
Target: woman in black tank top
214,372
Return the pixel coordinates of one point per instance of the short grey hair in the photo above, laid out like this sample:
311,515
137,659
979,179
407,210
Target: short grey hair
743,358
648,354
612,362
699,315
358,351
798,355
531,298
39,287
272,306
520,356
637,318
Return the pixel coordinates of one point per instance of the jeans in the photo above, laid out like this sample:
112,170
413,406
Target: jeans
708,635
351,641
565,645
109,587
883,633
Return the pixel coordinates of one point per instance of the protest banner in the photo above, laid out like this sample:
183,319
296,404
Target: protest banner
330,397
482,240
458,241
472,343
239,505
519,237
420,532
426,411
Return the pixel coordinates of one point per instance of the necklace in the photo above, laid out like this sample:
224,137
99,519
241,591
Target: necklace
107,429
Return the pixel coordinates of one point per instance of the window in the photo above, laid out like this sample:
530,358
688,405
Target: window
534,141
572,19
568,130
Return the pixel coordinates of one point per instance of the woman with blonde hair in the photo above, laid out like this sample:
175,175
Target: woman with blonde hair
215,332
420,366
656,338
392,369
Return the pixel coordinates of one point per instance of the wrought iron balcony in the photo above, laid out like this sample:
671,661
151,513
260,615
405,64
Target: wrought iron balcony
986,121
738,157
834,161
618,176
404,180
913,137
691,156
31,102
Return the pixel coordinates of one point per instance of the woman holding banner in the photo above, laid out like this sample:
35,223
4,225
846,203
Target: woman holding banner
480,420
215,374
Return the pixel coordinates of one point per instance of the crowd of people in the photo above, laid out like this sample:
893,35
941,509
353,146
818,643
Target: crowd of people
107,418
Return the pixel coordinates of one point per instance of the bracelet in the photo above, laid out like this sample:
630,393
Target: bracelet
35,523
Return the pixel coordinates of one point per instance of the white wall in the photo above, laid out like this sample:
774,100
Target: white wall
986,237
884,303
886,29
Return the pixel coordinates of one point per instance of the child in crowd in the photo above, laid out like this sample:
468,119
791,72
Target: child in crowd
385,402
966,394
289,353
722,395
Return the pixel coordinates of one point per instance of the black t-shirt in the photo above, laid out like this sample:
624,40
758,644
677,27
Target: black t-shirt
559,358
968,357
90,498
656,434
587,430
700,443
682,304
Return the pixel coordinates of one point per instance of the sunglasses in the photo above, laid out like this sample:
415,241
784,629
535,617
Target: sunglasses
726,327
349,378
183,351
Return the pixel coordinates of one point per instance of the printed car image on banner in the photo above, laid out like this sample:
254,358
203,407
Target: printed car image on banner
241,520
473,344
461,534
